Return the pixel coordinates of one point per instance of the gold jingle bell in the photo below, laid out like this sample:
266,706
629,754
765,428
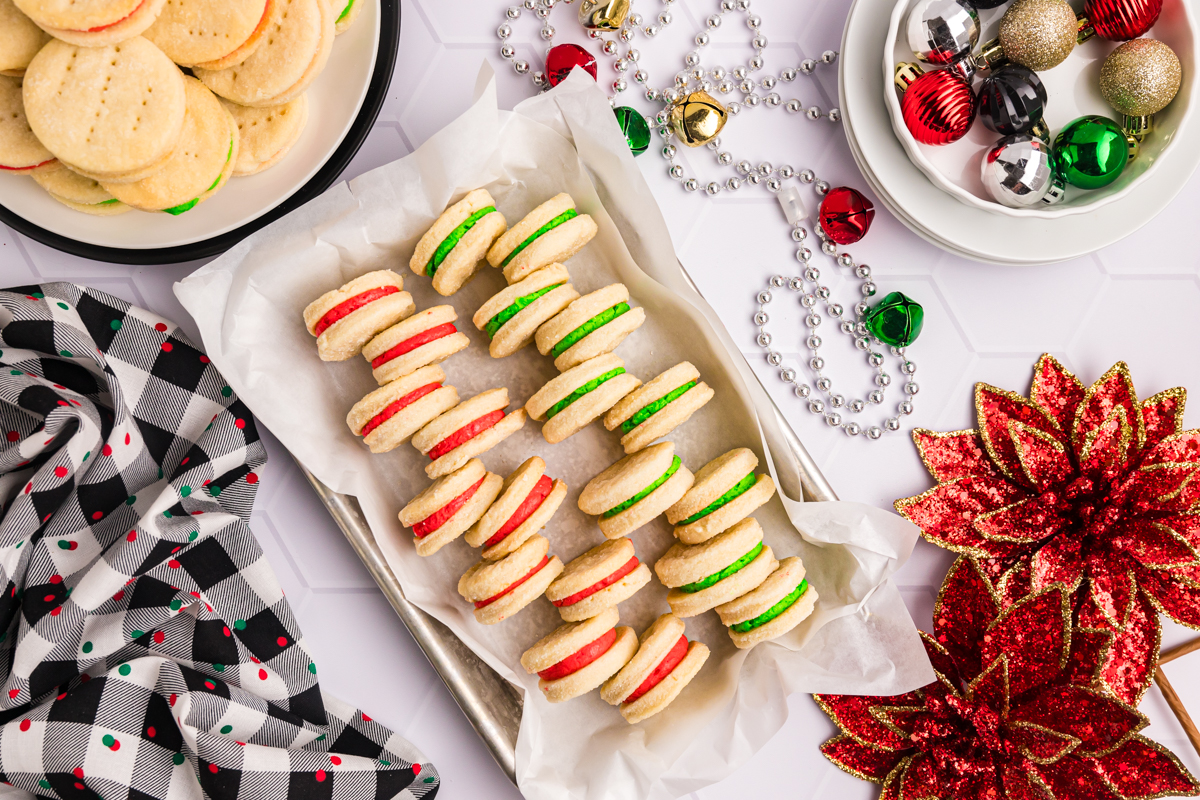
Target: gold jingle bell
603,15
698,118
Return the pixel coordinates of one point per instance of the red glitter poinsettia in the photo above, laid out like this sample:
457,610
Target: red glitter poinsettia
1083,486
1012,714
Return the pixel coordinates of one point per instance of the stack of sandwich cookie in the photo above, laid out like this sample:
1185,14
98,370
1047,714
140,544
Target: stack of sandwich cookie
660,406
427,337
210,34
452,250
469,429
725,567
526,503
266,135
20,40
636,489
499,589
21,152
512,316
554,231
597,580
664,664
780,603
581,394
725,491
94,24
394,412
577,657
78,193
592,325
347,318
441,513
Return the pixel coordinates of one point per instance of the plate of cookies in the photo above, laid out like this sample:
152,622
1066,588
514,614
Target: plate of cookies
121,119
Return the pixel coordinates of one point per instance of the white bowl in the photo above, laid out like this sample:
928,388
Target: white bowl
1073,89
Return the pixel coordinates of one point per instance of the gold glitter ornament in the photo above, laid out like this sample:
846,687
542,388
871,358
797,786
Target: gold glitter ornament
603,15
1038,34
1140,77
698,118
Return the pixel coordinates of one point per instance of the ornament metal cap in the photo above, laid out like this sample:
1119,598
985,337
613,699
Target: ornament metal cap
697,118
1137,127
906,73
603,15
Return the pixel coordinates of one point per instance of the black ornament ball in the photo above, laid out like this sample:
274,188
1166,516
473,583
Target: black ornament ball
1012,100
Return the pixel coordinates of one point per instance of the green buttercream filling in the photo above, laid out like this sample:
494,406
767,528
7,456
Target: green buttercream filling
452,240
612,512
658,405
182,207
345,11
497,322
704,583
570,213
603,318
739,488
582,390
772,612
108,202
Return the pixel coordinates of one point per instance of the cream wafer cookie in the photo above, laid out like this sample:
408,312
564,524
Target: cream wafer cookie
570,401
469,429
590,326
441,513
554,231
512,316
426,337
597,580
779,604
453,248
636,489
345,319
665,663
526,503
703,576
499,589
726,490
577,657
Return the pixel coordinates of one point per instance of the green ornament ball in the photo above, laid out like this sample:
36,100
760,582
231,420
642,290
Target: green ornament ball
635,128
896,321
1091,152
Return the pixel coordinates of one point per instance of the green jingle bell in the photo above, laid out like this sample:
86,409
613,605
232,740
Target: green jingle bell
603,15
1091,152
635,128
896,321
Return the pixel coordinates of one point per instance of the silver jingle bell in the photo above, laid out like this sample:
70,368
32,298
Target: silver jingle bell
941,31
1018,171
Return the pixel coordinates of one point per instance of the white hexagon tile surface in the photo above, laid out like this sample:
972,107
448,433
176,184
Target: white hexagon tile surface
1136,300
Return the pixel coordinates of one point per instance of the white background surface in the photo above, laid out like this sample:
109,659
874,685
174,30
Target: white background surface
1135,301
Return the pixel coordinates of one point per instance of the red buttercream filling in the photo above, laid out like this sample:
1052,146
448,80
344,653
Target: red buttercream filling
31,166
545,560
394,407
109,25
532,502
670,662
466,433
628,567
580,658
439,517
348,307
413,342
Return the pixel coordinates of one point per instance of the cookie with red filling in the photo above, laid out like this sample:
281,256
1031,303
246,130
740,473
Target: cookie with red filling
577,657
596,581
441,513
526,503
499,589
664,664
469,429
347,318
392,413
427,337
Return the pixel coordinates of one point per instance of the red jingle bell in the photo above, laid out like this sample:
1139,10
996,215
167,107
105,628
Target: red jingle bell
1119,20
938,107
563,58
845,215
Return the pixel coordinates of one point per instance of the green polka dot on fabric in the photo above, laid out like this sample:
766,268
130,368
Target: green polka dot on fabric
177,759
45,784
168,514
39,295
66,354
63,544
124,669
87,455
63,306
108,740
321,737
115,324
176,605
214,490
192,536
226,391
226,729
15,372
312,668
219,668
385,763
18,547
87,647
131,499
429,779
239,624
136,634
184,491
160,473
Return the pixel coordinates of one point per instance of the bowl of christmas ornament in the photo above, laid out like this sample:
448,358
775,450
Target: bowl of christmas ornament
1031,108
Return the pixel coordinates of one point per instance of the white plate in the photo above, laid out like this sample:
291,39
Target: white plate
951,225
334,101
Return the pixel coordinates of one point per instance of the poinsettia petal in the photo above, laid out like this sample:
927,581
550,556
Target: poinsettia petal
1112,589
1109,432
1034,633
1154,544
1021,784
1166,479
904,719
953,455
966,606
1074,778
945,513
1099,722
942,663
1027,520
991,687
1057,561
1186,525
1141,768
852,713
1040,744
867,763
1121,657
1089,649
1178,600
1163,414
1056,390
1045,459
997,410
1014,583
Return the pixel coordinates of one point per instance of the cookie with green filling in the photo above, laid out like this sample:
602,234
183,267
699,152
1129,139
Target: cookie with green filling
658,407
513,314
591,326
552,232
664,664
79,193
581,394
725,491
349,10
779,604
703,576
453,248
636,489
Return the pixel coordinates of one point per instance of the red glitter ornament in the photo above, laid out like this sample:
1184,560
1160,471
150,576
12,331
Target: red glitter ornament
846,215
563,58
1119,20
938,107
1012,712
1086,487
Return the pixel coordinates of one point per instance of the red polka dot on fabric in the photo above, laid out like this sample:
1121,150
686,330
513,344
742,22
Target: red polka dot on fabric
106,450
167,347
212,768
54,612
12,693
151,732
240,423
127,438
171,700
334,760
160,327
262,674
159,637
416,768
320,776
60,472
79,786
77,772
97,515
28,488
366,718
252,478
56,578
173,564
13,436
119,595
281,641
25,724
203,359
131,536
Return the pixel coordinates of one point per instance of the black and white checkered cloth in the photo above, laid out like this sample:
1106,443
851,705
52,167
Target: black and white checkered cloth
146,648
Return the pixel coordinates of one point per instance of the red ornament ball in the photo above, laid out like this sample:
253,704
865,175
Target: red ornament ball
938,108
563,58
845,215
1119,20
